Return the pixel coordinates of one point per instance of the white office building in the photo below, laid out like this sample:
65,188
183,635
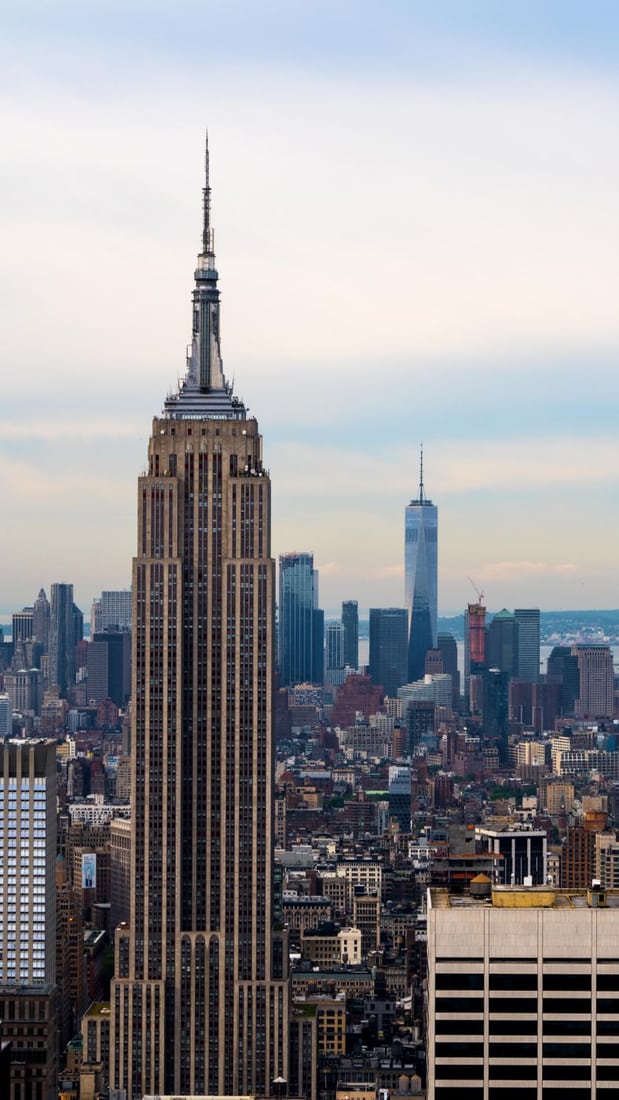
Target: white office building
523,994
28,863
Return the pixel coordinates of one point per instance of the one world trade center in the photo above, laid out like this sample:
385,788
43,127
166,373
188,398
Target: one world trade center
420,573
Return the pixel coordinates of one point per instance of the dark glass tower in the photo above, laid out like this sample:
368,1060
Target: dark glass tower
350,622
528,619
447,647
420,577
388,648
301,623
199,998
502,643
62,638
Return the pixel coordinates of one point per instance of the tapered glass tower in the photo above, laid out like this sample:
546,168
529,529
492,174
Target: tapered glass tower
420,576
199,998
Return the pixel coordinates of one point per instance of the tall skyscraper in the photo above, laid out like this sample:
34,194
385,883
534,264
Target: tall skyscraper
28,916
6,715
420,578
447,647
64,633
40,620
562,669
334,663
502,643
109,667
388,647
474,638
474,655
301,623
111,611
528,619
21,628
25,689
350,622
199,998
596,681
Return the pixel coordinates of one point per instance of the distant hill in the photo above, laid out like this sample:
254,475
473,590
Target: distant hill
563,624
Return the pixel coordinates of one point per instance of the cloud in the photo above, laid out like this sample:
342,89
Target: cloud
406,252
509,570
491,226
28,483
30,488
365,571
382,471
54,431
537,465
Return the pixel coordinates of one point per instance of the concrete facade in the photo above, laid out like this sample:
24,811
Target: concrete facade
522,995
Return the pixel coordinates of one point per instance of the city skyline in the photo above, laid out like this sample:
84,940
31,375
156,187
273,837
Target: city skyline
463,162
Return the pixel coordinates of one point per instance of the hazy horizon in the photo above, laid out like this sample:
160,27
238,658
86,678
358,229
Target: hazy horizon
416,229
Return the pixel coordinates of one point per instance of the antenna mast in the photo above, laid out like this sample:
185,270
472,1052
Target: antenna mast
208,237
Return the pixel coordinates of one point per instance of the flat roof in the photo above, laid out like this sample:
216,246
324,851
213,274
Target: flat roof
98,1008
525,897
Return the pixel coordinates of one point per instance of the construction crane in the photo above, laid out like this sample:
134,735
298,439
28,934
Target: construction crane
480,594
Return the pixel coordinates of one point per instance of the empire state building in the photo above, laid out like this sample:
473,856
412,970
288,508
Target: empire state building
199,1001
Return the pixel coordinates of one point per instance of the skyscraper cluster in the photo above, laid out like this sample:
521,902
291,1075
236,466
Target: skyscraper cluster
50,670
399,638
271,830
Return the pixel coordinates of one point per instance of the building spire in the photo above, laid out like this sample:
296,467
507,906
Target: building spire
208,236
205,366
421,497
204,390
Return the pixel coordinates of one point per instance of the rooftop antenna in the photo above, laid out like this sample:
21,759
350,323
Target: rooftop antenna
421,496
208,237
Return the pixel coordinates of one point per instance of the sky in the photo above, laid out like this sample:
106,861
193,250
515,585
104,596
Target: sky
417,235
